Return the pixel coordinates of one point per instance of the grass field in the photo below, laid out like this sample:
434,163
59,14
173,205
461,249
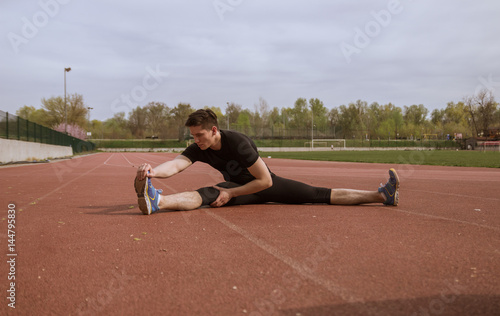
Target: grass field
173,143
434,157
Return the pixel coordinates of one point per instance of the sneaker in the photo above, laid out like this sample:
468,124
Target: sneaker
391,189
147,195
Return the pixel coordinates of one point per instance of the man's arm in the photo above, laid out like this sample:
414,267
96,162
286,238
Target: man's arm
166,169
262,181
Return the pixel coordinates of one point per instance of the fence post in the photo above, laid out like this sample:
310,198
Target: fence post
18,128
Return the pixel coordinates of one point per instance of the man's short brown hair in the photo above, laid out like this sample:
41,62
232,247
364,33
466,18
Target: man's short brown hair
204,117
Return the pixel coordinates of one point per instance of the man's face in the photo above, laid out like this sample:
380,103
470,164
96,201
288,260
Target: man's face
202,137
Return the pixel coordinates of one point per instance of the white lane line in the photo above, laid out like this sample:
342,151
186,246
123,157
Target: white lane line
128,160
446,219
295,265
149,160
108,159
61,186
116,165
455,194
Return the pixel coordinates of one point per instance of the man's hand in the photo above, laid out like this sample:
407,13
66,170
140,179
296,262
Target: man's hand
142,171
224,196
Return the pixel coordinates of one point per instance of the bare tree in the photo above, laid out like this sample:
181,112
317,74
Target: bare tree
261,116
481,107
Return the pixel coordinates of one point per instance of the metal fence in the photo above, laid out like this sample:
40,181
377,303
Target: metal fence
15,127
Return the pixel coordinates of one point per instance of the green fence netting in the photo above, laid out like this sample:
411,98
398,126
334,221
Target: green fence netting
15,127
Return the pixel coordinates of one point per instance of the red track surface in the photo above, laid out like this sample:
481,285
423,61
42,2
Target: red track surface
83,247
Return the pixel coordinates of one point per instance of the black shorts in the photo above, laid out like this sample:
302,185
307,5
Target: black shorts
282,191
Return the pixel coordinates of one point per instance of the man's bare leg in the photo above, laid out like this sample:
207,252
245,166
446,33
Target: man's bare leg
355,197
387,194
185,201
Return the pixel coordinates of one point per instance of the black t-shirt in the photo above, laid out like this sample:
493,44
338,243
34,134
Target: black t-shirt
237,153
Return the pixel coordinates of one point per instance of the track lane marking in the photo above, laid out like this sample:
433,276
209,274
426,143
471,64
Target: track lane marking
62,186
455,194
445,218
295,265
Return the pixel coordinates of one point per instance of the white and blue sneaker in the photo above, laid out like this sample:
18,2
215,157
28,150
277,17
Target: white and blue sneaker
391,189
147,196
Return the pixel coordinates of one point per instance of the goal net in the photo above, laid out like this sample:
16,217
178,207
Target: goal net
325,143
491,146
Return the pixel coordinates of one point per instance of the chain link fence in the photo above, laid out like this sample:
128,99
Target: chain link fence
17,128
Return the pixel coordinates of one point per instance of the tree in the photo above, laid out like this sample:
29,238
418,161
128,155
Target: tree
319,113
260,117
220,116
137,121
415,114
398,119
333,119
481,107
347,120
372,121
97,129
496,118
438,117
180,114
232,112
54,111
301,117
243,122
116,127
275,117
32,114
156,117
77,111
387,128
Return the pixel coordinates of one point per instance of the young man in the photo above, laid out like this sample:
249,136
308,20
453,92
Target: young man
248,180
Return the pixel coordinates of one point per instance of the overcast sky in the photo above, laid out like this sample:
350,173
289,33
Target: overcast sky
205,52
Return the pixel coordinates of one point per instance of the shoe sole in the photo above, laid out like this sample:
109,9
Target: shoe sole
141,188
396,191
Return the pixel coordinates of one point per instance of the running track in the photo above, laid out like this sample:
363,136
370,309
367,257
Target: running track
84,248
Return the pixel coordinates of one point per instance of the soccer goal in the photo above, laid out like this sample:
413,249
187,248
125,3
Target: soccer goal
491,146
326,143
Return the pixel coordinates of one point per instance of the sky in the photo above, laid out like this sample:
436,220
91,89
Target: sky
125,54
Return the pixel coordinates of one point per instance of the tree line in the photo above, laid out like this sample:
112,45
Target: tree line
472,116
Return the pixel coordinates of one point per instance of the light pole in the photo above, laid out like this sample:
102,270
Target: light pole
312,128
89,108
65,105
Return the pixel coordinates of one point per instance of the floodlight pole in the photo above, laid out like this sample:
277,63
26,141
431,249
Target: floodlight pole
312,128
65,104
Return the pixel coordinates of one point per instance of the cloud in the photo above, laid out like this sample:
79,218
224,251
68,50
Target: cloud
428,52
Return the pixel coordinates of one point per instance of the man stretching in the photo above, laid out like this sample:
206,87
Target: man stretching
248,180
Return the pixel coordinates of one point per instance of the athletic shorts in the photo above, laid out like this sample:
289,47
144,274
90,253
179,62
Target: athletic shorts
282,191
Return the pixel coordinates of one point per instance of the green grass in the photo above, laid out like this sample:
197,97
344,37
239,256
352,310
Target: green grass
428,157
172,143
